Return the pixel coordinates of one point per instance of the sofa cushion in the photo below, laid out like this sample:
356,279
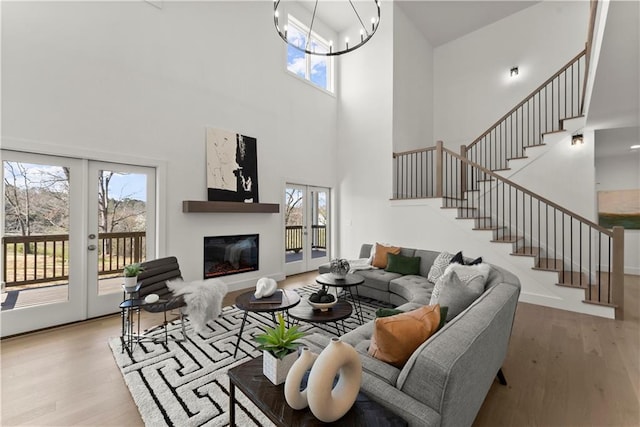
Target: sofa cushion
378,279
474,276
403,264
441,262
412,288
395,338
455,294
426,260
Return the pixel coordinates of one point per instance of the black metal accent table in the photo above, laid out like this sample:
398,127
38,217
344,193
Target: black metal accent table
340,311
350,281
243,302
269,398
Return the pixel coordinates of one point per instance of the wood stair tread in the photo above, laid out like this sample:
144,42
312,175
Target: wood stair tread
506,239
572,279
526,251
488,228
535,145
551,132
518,158
501,169
550,264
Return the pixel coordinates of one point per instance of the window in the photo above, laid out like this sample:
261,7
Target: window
314,68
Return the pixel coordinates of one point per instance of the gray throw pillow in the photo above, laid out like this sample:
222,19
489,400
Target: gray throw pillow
439,265
452,292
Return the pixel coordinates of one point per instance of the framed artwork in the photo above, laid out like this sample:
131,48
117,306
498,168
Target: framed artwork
232,167
619,208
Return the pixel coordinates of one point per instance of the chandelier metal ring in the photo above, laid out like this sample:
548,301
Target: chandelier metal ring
365,32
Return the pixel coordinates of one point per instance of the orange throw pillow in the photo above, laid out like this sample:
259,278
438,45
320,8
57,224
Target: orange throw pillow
380,257
395,338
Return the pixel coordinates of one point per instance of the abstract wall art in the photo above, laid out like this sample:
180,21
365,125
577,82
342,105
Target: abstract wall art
232,167
619,208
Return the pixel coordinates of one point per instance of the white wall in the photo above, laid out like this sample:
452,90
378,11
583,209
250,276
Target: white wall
621,172
120,80
473,89
412,86
365,139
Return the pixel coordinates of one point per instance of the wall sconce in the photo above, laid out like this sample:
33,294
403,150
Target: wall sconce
577,139
513,72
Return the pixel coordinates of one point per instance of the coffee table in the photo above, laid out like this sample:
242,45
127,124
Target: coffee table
350,281
269,398
243,302
340,311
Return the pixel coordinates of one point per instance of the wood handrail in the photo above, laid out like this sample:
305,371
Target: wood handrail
532,194
419,150
538,89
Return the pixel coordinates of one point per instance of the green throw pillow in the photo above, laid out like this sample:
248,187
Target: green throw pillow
403,264
443,317
386,312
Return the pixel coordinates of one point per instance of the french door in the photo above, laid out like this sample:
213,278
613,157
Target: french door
306,228
70,226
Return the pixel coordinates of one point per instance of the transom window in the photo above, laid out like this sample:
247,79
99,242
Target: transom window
316,69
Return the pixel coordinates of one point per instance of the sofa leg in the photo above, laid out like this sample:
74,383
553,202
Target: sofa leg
501,379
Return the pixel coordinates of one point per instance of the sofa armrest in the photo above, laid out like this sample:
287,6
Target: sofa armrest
413,411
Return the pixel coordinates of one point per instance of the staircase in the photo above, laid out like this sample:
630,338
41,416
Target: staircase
584,257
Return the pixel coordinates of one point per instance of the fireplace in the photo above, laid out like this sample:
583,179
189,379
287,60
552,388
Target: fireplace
225,255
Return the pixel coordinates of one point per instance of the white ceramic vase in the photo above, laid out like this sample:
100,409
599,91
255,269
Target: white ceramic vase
328,403
295,398
130,283
275,369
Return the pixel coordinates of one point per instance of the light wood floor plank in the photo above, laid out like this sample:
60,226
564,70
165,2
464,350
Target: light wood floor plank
563,369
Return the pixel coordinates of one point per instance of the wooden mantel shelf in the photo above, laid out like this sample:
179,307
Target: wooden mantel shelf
201,206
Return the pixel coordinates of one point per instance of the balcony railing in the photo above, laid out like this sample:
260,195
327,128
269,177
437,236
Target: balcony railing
293,237
44,259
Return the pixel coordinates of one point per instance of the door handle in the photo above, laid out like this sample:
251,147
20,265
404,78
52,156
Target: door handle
92,247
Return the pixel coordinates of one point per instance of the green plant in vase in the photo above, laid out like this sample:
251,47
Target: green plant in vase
130,273
279,346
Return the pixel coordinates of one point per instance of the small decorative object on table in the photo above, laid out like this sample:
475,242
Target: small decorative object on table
130,273
265,287
339,268
322,300
279,346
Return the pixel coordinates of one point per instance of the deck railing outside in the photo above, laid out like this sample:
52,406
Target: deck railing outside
293,237
43,259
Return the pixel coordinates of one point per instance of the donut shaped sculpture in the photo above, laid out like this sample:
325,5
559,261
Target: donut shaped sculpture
265,287
328,403
295,398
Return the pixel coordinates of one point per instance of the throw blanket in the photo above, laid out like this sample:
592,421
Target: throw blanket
359,264
203,299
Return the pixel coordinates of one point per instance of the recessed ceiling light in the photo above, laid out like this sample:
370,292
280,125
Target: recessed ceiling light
635,147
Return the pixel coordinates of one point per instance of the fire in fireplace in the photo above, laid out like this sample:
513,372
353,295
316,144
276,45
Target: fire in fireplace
225,255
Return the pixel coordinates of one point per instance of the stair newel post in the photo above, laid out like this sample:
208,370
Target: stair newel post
438,168
617,272
463,171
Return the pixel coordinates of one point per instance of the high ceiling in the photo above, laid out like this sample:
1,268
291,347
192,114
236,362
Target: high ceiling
444,21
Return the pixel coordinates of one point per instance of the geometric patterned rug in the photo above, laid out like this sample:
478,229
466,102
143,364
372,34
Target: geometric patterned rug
185,383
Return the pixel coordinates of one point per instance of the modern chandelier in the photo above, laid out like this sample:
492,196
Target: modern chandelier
365,21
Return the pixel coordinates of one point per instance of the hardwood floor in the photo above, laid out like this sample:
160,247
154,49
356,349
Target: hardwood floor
563,369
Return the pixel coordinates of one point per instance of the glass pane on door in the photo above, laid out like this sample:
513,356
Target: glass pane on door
122,223
35,242
294,224
318,223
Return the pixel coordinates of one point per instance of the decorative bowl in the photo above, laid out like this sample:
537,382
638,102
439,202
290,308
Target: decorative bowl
322,306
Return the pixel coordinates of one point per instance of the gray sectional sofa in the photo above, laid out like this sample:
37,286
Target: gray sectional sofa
447,378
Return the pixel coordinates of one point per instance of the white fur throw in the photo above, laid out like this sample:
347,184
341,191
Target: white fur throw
203,299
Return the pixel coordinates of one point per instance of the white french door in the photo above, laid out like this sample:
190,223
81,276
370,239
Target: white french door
307,227
59,262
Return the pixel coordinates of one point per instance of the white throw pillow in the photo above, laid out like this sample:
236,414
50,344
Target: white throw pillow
439,265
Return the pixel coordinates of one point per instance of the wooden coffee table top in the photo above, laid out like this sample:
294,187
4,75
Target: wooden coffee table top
289,299
341,310
269,398
327,279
